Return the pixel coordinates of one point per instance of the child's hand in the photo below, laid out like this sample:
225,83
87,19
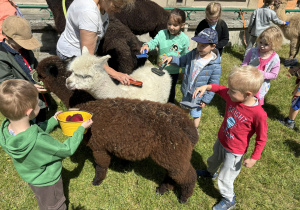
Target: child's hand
87,124
143,48
56,114
168,60
249,162
202,104
40,88
199,90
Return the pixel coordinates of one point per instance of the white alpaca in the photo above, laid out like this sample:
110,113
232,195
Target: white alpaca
88,74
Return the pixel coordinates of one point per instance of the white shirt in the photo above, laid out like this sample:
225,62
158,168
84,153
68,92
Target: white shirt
82,14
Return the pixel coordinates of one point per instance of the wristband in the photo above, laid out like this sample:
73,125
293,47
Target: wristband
298,89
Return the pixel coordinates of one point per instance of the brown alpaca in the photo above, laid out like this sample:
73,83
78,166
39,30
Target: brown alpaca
292,31
132,130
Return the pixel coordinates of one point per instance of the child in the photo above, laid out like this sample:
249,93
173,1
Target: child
260,20
38,159
295,106
243,117
269,61
171,41
17,59
202,66
212,20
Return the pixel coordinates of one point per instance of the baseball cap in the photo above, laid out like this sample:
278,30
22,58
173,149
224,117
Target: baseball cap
19,30
207,35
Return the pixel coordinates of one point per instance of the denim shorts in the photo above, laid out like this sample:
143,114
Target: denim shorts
296,103
196,112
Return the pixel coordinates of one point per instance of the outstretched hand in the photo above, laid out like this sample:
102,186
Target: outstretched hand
143,48
124,78
40,88
168,60
199,90
56,114
87,124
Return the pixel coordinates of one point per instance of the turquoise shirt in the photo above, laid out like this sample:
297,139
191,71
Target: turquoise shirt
169,45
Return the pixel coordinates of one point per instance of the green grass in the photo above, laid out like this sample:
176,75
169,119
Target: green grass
273,183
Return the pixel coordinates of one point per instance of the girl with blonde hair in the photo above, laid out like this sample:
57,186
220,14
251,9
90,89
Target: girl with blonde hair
213,20
265,58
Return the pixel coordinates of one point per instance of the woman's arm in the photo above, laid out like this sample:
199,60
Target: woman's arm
89,40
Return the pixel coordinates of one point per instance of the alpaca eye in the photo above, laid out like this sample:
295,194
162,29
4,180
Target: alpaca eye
83,76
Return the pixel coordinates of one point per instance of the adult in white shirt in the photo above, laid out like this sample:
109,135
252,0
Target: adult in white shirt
86,24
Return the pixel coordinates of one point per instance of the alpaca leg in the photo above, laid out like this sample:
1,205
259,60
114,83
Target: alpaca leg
102,159
167,184
182,172
188,184
294,45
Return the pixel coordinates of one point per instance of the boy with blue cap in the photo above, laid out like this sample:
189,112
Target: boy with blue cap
202,67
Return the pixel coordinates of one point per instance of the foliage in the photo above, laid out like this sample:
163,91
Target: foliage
273,183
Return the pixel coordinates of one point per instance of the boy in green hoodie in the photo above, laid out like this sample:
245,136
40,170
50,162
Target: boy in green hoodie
36,155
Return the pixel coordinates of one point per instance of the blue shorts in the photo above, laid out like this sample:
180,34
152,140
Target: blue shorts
196,112
296,103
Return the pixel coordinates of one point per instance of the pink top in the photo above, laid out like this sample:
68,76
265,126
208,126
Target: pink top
267,75
240,123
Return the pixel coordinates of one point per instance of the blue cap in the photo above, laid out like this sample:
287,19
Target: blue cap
207,35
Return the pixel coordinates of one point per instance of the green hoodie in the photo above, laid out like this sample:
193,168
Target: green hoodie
36,155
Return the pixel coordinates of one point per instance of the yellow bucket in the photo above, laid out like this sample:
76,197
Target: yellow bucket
67,127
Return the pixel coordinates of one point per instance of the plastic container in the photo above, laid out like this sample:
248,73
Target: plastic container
67,127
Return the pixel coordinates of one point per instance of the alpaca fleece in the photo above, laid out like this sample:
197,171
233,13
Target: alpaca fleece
122,45
88,74
133,130
292,31
145,17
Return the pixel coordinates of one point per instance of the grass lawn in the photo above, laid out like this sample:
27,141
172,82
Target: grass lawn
273,183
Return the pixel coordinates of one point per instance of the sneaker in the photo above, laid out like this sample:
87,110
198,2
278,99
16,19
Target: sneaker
205,173
225,204
287,122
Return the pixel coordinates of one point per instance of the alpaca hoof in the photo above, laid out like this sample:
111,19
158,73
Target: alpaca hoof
96,182
183,200
160,190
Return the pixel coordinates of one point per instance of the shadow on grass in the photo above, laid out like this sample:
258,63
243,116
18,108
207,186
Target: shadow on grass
220,103
272,111
294,146
146,168
236,52
82,154
205,184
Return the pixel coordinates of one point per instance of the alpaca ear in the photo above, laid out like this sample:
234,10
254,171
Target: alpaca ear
104,59
85,50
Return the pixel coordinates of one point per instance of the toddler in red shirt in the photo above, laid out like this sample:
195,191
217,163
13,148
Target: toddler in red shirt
243,117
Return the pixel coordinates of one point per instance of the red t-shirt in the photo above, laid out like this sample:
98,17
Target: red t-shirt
240,123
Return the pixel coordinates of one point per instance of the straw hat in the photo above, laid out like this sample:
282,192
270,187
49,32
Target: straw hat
19,30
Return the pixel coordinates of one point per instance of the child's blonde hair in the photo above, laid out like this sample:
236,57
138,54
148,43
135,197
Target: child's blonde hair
272,36
16,97
213,9
245,78
268,2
